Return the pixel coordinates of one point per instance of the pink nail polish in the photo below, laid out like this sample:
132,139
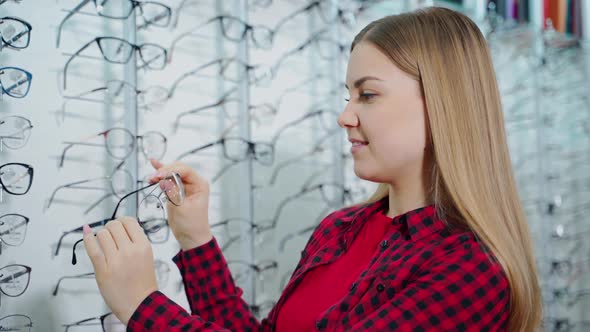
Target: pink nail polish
86,229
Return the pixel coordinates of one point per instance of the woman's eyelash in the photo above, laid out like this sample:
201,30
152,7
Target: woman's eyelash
363,96
366,96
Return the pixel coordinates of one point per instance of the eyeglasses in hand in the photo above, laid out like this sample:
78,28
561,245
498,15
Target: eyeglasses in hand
15,132
120,142
153,13
118,50
173,189
15,82
15,33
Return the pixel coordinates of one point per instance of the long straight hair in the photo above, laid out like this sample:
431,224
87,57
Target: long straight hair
472,178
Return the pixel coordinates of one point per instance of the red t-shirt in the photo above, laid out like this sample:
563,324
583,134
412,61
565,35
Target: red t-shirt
325,285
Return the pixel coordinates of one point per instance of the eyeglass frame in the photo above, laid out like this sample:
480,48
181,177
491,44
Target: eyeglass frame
30,323
134,48
26,219
2,138
28,33
104,134
134,5
28,270
173,175
221,141
3,90
30,173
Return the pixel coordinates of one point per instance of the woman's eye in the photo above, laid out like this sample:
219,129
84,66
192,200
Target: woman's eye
366,96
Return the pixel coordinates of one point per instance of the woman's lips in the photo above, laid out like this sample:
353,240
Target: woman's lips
357,146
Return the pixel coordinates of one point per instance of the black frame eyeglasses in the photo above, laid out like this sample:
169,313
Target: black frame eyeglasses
255,74
11,176
15,132
119,51
17,276
173,189
327,11
233,29
184,3
15,33
15,82
160,14
13,229
238,149
120,143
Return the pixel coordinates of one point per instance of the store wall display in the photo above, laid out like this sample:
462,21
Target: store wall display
247,92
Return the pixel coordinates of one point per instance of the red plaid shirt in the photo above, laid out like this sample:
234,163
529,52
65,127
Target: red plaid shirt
426,277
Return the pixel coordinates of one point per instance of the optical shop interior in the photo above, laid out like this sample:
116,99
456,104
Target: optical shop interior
241,120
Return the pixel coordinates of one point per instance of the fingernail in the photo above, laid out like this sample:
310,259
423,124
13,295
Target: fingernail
86,229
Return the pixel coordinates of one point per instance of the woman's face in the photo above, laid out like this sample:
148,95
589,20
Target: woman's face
385,115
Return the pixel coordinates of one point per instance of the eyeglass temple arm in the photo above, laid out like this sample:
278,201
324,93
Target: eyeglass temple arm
190,73
219,102
79,230
67,326
95,204
72,185
67,17
287,18
79,276
14,275
186,34
66,66
83,142
193,151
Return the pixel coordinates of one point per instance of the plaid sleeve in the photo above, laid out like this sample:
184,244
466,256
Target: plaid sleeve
158,313
211,291
463,290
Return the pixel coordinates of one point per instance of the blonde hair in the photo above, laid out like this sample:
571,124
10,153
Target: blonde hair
472,179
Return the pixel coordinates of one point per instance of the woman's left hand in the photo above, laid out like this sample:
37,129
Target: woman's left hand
123,265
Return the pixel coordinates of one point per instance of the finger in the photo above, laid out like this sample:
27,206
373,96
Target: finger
186,173
119,234
134,230
93,250
109,248
156,164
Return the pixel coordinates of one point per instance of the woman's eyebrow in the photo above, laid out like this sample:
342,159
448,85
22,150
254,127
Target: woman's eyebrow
362,80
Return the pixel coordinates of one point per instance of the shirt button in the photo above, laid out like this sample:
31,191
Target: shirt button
384,244
353,286
380,287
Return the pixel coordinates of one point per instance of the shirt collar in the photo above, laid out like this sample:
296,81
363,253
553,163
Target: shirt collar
418,223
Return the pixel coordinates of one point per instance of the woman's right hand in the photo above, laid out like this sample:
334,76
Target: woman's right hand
189,222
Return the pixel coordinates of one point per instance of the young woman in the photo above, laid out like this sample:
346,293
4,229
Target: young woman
443,244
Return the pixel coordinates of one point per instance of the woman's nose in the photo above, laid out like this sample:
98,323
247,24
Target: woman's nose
347,118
